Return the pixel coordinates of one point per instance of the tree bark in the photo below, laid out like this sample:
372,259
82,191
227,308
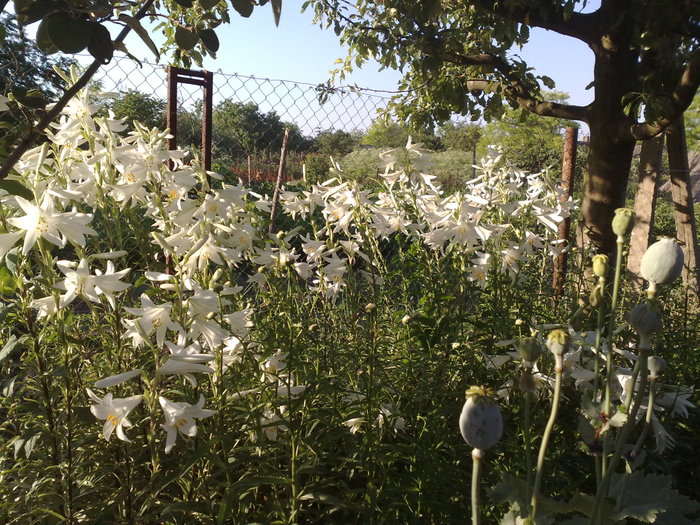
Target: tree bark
645,202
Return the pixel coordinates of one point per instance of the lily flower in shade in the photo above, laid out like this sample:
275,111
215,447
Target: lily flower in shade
79,281
180,417
114,412
44,221
152,317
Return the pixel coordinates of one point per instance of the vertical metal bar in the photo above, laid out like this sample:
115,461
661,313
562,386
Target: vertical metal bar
567,183
172,107
207,119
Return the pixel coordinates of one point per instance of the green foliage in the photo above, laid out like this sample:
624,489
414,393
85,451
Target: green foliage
336,143
132,105
460,136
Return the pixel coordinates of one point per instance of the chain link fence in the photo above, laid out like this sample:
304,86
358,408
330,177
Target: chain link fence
249,118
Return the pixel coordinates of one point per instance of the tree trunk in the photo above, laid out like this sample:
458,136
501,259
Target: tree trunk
605,186
610,153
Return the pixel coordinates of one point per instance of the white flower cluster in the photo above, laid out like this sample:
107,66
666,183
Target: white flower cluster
90,168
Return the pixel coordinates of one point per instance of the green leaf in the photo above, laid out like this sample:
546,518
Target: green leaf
244,7
43,40
3,33
277,11
14,187
68,34
209,39
32,98
134,24
185,38
10,346
30,11
100,45
208,4
8,282
185,3
548,82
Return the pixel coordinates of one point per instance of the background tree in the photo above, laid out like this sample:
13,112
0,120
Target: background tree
457,57
386,133
460,136
336,143
530,141
134,105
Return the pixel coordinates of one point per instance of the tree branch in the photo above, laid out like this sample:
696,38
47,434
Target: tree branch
515,90
55,111
681,98
538,107
582,26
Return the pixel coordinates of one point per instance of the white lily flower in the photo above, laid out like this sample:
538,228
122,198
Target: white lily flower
44,221
114,412
152,317
118,378
180,417
79,281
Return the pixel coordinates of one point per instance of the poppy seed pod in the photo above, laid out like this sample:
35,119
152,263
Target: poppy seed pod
529,349
480,422
558,341
656,366
600,265
645,318
623,222
662,262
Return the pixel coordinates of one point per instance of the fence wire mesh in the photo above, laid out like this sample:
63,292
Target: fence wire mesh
249,118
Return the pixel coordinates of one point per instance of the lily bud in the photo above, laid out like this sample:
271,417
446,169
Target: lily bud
558,341
661,263
600,265
480,422
622,222
371,307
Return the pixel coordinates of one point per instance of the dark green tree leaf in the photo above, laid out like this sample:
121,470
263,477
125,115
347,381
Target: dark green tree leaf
244,7
68,34
209,39
185,38
100,45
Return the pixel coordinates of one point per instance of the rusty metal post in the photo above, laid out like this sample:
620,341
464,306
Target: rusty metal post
205,79
567,183
171,119
207,119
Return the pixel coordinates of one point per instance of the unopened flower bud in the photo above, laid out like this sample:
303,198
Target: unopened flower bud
596,296
600,265
661,263
371,307
527,382
405,319
218,273
480,422
656,365
622,222
558,341
529,349
645,318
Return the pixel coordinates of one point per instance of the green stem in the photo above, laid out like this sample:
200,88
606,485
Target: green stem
647,420
558,368
623,435
477,454
528,448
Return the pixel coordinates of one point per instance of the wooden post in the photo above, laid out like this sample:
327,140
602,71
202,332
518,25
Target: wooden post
684,216
278,183
567,183
645,202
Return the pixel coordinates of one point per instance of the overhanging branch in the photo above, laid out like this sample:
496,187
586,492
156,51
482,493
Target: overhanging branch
681,97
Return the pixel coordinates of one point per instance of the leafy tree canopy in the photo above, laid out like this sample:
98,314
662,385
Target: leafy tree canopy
457,57
460,136
134,105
